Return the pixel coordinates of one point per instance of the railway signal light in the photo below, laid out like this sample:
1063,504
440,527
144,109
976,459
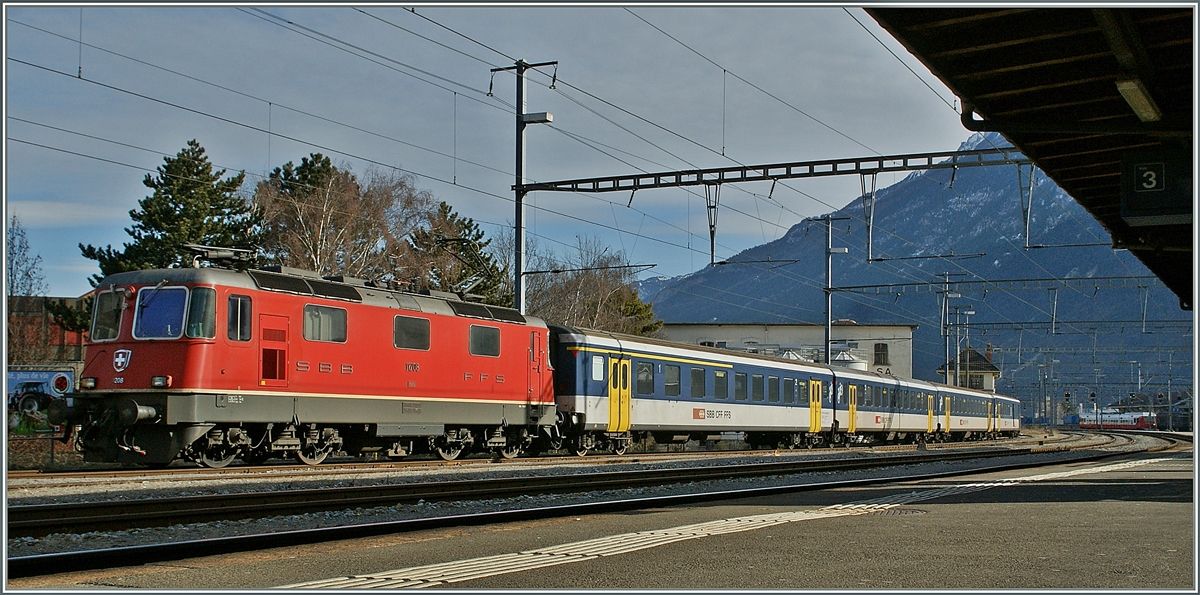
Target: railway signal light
1067,397
1093,397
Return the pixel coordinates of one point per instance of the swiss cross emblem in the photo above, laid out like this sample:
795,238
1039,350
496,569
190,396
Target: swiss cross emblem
121,359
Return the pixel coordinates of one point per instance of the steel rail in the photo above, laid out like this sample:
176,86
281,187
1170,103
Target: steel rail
43,519
44,564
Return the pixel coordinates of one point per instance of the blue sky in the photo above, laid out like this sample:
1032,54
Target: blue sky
629,98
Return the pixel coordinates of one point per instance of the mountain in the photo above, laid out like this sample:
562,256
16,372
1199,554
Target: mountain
975,214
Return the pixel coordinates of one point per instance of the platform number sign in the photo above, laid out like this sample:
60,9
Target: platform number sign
1156,188
1149,177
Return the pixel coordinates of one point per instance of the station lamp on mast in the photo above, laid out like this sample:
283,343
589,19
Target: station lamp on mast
519,187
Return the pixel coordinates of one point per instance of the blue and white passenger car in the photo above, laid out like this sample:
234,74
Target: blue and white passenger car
611,389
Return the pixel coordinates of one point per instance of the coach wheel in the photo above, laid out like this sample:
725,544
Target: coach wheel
510,451
619,448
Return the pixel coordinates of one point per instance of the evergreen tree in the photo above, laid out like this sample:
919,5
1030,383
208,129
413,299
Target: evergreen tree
449,254
192,204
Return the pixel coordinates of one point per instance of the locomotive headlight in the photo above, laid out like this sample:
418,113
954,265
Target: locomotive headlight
87,382
160,381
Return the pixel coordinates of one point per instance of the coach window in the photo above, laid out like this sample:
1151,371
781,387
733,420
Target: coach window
698,383
789,390
739,387
485,340
721,384
645,378
202,313
410,333
238,321
772,389
598,368
756,387
801,392
322,323
671,381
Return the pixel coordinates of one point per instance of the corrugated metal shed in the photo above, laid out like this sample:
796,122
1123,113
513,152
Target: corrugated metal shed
1063,86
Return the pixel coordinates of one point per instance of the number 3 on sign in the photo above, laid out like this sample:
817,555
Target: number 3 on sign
1149,177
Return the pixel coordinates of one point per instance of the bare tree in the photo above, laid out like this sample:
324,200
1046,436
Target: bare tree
592,287
324,218
26,294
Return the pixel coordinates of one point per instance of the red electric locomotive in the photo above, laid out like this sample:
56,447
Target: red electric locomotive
211,364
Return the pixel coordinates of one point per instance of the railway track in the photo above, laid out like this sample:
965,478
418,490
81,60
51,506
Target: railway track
294,469
141,554
44,519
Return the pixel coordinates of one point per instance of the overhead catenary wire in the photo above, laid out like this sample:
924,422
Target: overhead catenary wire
779,226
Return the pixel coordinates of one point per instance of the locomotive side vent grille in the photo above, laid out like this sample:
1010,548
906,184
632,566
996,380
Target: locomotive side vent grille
335,290
280,282
469,309
507,314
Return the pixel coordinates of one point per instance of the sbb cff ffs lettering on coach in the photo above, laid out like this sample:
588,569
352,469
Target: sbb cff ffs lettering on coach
213,364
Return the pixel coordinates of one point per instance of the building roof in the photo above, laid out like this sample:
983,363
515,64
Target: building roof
972,360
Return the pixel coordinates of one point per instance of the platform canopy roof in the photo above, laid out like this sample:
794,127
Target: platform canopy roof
1083,92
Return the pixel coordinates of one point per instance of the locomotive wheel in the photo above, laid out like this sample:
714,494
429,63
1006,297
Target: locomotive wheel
311,456
218,458
448,452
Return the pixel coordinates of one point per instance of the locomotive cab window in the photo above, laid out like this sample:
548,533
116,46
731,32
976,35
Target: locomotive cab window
409,332
106,319
485,340
322,323
202,313
159,313
238,318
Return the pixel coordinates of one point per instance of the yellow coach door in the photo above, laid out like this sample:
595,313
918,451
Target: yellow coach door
946,402
853,425
814,405
929,402
619,401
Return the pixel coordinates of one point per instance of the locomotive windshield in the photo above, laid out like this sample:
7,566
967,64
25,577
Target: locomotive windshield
106,320
160,313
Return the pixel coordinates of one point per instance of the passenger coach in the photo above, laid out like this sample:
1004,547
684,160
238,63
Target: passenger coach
612,389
